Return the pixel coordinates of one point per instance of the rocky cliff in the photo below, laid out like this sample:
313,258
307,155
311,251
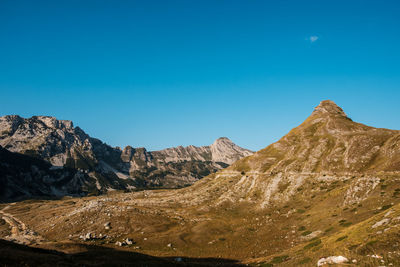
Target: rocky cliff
64,146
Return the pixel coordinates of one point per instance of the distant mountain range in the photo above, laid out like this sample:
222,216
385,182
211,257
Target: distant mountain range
325,193
64,160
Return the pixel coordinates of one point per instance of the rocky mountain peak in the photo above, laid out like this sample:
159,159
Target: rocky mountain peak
224,150
64,146
52,122
223,140
330,108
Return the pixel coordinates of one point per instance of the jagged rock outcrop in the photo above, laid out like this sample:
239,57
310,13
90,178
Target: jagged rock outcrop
25,176
62,145
222,150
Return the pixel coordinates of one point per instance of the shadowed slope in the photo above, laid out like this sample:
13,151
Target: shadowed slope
19,255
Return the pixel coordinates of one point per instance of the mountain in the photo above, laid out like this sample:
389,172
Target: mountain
326,192
104,168
328,145
22,176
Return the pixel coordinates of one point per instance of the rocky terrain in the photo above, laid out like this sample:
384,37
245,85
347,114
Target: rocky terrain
22,176
326,193
78,164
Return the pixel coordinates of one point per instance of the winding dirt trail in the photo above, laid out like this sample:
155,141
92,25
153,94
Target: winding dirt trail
20,233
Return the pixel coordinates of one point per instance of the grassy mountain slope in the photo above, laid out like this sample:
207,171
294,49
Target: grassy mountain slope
329,187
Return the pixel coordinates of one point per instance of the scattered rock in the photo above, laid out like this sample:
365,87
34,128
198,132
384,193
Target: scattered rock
375,256
381,222
332,260
126,242
89,236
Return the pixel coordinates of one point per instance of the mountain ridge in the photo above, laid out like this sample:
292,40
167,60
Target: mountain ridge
327,189
65,146
327,144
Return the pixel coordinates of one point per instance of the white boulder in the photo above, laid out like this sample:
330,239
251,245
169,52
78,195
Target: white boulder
332,260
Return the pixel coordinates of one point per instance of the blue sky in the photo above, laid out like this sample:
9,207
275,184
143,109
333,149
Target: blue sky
165,73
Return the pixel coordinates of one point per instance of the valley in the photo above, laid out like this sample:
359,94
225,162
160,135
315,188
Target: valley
330,187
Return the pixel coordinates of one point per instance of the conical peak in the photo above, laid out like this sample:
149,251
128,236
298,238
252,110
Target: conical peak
329,107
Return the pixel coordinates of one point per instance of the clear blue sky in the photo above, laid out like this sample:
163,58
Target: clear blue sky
165,73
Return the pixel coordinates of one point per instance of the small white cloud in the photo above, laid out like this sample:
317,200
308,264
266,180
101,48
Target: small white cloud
313,38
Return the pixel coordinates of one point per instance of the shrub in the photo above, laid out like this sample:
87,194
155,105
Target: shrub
313,244
306,233
341,238
386,207
280,259
305,260
344,223
371,242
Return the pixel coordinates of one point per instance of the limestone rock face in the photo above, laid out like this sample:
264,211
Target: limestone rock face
53,140
224,150
106,168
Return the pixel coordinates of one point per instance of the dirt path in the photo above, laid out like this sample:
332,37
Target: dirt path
19,231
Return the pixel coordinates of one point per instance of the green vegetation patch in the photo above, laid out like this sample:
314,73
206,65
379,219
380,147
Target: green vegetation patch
306,233
279,259
385,207
370,243
329,229
341,238
344,223
304,261
313,244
